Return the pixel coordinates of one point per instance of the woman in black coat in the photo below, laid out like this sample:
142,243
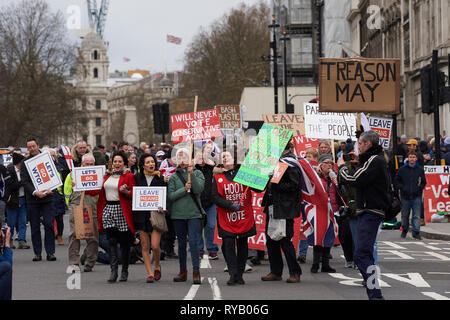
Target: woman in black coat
148,177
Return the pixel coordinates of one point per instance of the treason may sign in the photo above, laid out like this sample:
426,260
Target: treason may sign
359,85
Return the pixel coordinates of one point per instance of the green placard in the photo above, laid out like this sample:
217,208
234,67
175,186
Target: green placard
263,156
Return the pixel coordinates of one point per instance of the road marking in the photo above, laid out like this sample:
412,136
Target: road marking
392,244
428,246
204,263
357,282
437,255
435,296
412,278
192,291
215,289
399,254
438,273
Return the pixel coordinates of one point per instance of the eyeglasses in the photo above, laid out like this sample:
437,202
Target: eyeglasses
328,162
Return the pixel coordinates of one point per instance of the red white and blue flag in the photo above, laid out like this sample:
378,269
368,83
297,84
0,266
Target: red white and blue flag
173,39
319,225
125,59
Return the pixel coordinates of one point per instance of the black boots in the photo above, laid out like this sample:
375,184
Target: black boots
113,260
321,254
125,261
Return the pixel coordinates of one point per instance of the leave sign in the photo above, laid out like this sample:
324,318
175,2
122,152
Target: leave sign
293,122
436,193
328,125
263,156
359,85
88,178
383,127
43,172
149,198
195,126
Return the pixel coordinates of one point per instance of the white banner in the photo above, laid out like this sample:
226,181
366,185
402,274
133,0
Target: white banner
328,125
43,172
88,178
149,198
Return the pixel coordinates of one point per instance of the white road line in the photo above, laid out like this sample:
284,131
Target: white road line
192,291
438,273
204,263
437,255
435,296
215,289
391,244
399,254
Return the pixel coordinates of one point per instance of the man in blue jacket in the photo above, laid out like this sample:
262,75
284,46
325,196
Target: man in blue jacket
5,266
411,181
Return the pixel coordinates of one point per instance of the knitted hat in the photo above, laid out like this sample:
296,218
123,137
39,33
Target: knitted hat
324,157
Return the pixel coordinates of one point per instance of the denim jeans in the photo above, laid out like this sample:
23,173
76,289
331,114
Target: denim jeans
209,232
184,229
5,280
302,247
353,223
18,215
368,225
414,205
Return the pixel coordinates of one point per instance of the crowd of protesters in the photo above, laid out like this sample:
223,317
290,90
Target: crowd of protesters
202,188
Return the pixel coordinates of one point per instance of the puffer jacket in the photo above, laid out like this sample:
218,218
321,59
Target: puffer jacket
410,181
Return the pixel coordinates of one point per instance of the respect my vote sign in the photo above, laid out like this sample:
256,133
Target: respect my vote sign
149,198
263,156
43,172
88,178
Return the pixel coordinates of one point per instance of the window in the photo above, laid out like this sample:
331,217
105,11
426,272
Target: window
85,138
96,55
98,122
83,102
301,52
301,12
95,73
98,104
98,140
84,122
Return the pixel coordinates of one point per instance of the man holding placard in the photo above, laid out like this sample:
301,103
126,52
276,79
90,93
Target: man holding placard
73,199
39,178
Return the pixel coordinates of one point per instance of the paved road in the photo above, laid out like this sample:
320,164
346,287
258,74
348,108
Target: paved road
412,270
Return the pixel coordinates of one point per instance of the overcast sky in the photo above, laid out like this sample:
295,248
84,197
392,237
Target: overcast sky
137,29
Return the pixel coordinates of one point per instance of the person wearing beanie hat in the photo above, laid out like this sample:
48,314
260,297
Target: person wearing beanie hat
16,205
324,157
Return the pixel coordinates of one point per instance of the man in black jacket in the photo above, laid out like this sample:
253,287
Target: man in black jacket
411,181
284,199
372,200
39,204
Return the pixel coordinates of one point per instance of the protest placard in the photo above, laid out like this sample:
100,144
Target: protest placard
383,127
88,178
194,126
263,156
149,198
436,193
302,144
359,85
230,116
292,122
279,171
42,171
328,125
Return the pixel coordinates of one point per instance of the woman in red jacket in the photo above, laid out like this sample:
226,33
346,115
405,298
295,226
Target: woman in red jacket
114,214
235,221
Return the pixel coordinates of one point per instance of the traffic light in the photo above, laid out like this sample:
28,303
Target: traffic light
161,118
426,92
165,118
289,108
157,118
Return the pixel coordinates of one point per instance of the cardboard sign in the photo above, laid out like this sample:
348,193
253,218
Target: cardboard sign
302,144
230,116
436,193
279,171
359,85
149,198
293,122
383,127
263,157
195,126
88,178
83,222
328,125
42,171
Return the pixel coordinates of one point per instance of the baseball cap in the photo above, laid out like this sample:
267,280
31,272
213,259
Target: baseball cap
413,141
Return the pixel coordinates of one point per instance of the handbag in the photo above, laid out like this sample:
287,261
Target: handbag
158,221
204,218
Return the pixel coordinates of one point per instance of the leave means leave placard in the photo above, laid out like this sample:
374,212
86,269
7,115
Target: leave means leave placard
149,198
263,156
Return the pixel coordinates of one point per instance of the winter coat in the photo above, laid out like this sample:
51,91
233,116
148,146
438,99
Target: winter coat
205,197
372,182
410,181
29,187
141,181
182,205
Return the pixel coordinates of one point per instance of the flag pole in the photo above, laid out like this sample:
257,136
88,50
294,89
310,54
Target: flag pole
192,143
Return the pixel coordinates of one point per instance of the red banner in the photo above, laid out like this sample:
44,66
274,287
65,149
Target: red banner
195,126
302,144
436,194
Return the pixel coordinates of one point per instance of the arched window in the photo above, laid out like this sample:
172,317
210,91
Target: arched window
96,55
95,73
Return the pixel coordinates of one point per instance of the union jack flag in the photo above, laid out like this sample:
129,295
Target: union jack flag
319,225
173,39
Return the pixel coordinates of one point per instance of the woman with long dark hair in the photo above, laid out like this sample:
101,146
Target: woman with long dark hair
148,176
115,215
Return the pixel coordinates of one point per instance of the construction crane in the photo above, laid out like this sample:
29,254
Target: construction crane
97,18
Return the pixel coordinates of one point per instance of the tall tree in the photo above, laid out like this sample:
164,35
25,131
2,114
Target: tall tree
223,60
35,57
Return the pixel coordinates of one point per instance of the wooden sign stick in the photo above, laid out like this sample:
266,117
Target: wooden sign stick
192,143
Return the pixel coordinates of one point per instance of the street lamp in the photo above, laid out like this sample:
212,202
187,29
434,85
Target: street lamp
284,39
273,45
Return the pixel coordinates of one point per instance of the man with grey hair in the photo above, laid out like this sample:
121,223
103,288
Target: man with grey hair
372,182
73,199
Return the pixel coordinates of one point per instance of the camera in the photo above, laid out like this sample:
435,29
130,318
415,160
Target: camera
347,157
344,211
